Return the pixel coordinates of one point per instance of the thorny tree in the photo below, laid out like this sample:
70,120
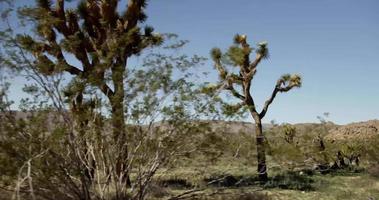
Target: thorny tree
93,164
160,119
239,85
101,39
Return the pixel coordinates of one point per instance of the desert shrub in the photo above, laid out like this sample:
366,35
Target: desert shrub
306,147
223,143
370,151
293,148
289,133
30,152
374,170
157,191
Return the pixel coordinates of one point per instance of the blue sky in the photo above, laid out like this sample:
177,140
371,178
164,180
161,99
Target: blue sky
333,44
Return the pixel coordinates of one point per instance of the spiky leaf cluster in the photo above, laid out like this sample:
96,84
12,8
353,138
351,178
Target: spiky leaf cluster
95,33
237,55
263,50
216,54
288,81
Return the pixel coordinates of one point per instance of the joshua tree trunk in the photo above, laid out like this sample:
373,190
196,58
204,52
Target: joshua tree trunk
118,121
261,147
261,151
118,134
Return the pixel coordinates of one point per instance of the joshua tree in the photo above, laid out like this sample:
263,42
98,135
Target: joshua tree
100,38
239,85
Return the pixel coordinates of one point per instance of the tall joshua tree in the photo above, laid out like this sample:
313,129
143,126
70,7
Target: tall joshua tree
100,38
239,85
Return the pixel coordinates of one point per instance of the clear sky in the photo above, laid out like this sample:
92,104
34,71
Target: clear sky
333,44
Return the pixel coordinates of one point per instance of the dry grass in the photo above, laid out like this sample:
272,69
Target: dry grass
240,183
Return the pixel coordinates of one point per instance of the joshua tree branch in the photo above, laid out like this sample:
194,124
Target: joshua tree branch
133,11
62,60
60,9
71,69
249,76
234,92
249,101
278,88
106,89
268,102
255,63
221,70
287,88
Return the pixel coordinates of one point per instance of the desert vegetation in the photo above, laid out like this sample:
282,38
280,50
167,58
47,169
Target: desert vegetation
91,125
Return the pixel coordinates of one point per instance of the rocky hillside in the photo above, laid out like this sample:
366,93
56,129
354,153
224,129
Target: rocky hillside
359,130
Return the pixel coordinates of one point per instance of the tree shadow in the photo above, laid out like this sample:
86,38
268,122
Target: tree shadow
177,183
339,171
291,180
287,180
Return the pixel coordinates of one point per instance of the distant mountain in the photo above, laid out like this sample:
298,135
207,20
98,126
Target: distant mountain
233,127
357,130
353,131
